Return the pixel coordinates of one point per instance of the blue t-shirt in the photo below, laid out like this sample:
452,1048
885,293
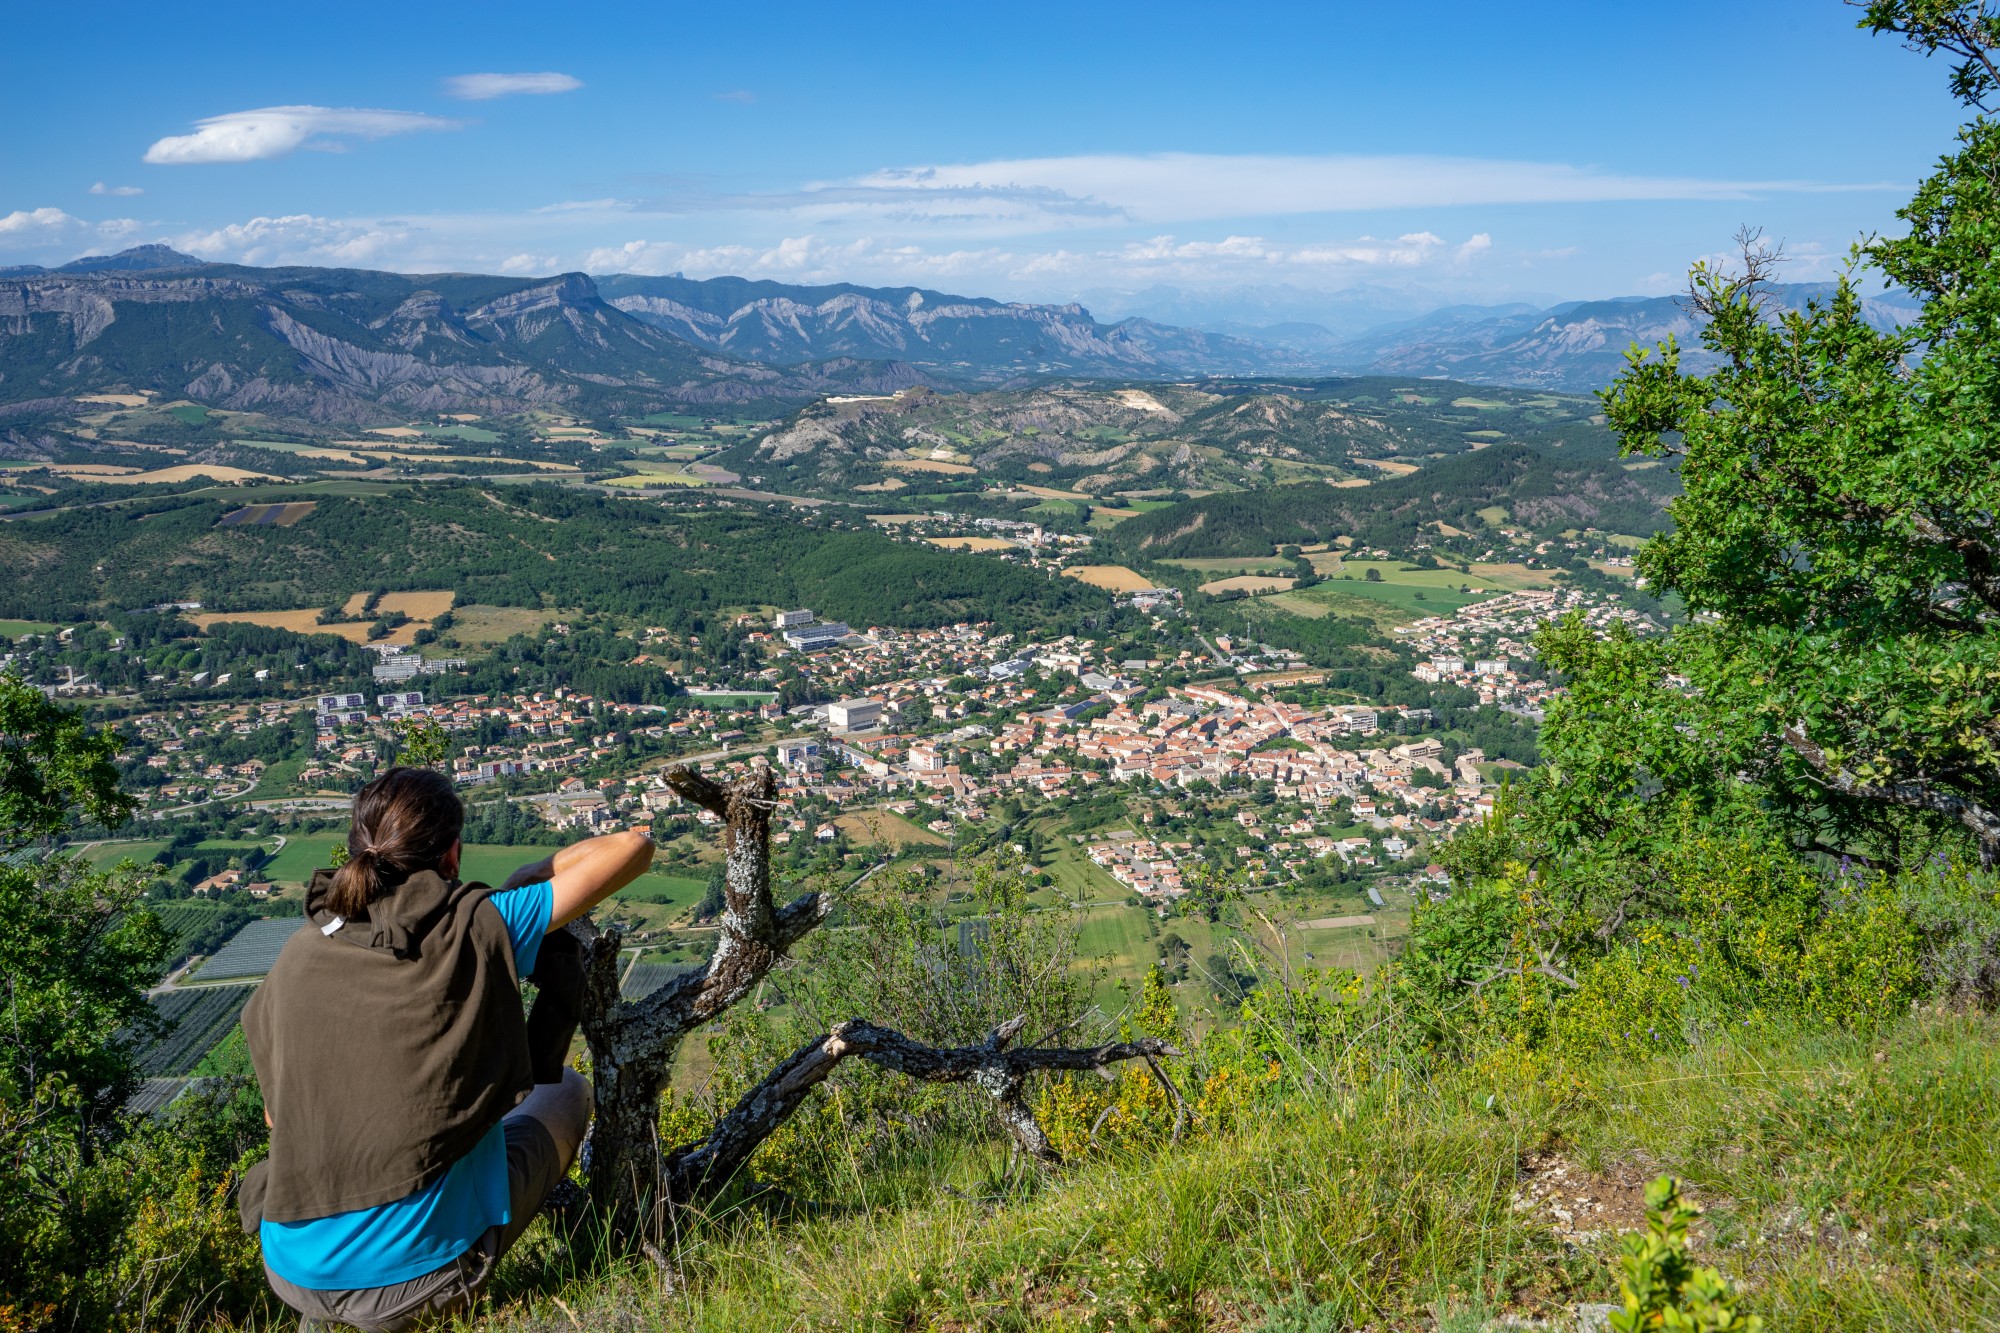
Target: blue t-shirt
373,1247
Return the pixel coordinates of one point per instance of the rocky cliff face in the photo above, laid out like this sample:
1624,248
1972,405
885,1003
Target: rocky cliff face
355,347
960,338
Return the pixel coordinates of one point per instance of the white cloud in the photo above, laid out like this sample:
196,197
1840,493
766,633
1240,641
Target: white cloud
1475,246
1182,187
301,238
37,223
123,191
484,87
530,264
273,131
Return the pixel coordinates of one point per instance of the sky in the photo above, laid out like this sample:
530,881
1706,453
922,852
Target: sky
1444,151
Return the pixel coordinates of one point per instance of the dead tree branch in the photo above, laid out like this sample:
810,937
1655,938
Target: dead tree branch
699,1169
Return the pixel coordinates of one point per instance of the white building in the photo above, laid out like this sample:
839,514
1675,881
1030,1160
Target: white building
791,619
798,754
854,714
813,636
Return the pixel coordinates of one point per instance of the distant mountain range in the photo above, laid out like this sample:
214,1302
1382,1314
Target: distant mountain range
959,339
354,346
1577,346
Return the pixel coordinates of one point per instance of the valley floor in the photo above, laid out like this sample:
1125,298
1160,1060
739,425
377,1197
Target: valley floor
1848,1184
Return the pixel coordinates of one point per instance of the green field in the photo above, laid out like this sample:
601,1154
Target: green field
107,854
189,413
14,629
1238,564
304,853
677,893
472,434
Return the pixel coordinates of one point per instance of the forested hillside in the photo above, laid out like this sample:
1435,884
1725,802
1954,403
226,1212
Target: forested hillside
1539,490
1105,437
524,546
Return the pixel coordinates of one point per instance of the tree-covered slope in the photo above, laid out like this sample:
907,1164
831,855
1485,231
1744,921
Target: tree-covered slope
525,546
1539,489
1106,437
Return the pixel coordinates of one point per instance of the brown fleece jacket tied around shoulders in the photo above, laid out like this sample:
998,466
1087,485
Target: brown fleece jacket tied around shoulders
386,1049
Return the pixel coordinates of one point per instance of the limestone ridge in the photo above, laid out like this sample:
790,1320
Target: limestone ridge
362,347
961,339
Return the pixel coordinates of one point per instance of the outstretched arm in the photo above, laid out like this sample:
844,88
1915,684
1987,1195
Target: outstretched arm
585,873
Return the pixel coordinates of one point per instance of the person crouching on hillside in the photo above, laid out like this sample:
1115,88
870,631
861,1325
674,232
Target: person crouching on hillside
418,1119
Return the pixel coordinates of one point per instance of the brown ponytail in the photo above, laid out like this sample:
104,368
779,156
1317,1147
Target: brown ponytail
404,821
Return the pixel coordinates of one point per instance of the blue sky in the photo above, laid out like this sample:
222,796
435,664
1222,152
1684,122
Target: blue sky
1032,151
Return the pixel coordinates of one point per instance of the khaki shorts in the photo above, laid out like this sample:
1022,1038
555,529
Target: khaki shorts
533,1168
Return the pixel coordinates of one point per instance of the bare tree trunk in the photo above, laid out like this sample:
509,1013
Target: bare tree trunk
632,1044
633,1183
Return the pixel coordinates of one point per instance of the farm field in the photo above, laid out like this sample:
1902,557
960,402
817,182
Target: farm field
1250,583
884,828
103,855
14,629
930,465
192,1022
972,543
267,516
1112,578
420,607
1234,564
179,472
482,626
250,953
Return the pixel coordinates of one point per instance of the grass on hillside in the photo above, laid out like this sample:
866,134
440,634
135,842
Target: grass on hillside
1849,1184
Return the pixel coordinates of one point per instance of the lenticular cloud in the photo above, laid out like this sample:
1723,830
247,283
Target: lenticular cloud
273,131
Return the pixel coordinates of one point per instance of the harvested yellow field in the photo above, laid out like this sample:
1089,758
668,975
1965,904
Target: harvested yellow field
1051,493
425,606
971,543
891,520
182,472
885,829
1351,482
115,399
1394,469
888,484
930,465
1112,578
305,622
1250,583
92,470
397,432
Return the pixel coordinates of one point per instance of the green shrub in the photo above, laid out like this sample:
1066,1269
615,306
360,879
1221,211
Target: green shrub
1661,1287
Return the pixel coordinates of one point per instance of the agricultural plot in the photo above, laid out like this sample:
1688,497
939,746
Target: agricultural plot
104,855
267,516
191,1023
1112,578
645,978
186,921
252,951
